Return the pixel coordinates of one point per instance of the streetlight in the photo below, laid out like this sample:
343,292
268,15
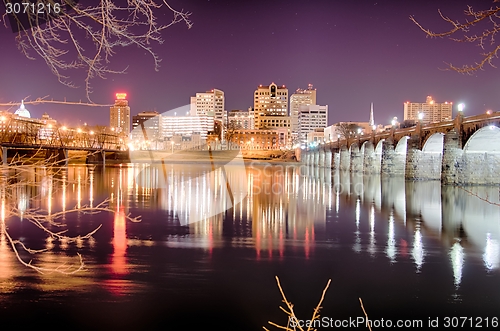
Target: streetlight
461,107
394,121
420,116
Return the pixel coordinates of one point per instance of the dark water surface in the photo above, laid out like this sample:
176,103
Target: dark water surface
210,243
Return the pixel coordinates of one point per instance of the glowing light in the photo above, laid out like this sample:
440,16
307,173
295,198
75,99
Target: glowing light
79,130
121,96
64,128
420,116
461,107
488,112
91,132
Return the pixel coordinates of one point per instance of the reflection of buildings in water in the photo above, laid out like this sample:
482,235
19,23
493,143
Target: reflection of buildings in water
287,205
209,230
194,193
119,258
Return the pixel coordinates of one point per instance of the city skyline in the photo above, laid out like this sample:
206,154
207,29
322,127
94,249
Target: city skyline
353,54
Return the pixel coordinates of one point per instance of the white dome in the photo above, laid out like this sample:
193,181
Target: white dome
22,111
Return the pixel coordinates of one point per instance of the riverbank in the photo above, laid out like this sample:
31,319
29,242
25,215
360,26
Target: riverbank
224,156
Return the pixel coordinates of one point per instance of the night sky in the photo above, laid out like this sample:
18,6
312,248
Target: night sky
353,52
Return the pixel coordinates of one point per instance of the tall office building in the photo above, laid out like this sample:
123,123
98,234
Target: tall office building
299,98
119,114
311,117
210,103
270,101
430,111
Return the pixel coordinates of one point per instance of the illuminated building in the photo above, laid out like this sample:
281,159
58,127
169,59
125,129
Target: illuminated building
119,115
146,126
431,111
22,111
259,139
311,117
270,101
299,98
210,103
240,119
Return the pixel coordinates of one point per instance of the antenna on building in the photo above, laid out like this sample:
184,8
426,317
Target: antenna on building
372,121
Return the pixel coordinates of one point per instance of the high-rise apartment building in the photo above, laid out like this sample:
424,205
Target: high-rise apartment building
299,98
270,100
311,117
428,112
119,114
210,103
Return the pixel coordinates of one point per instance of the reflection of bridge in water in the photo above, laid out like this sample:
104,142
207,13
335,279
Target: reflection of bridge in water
465,150
19,134
464,220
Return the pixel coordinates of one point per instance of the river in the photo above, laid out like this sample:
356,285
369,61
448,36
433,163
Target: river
211,240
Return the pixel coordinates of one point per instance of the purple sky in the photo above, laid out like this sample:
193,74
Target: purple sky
354,52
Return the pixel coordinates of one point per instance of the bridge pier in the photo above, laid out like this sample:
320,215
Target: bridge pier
356,159
345,159
371,163
4,156
452,159
421,165
328,159
388,156
98,157
321,162
336,160
315,158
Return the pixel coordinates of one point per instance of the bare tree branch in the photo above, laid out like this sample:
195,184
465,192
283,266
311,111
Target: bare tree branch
105,27
485,38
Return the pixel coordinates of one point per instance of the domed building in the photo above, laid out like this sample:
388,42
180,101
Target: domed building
22,111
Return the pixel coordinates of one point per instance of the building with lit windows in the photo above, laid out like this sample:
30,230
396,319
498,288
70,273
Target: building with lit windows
299,98
270,100
210,103
240,119
311,117
262,139
119,115
428,111
145,129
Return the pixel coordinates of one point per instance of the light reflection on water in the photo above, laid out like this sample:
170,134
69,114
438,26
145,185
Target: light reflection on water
285,212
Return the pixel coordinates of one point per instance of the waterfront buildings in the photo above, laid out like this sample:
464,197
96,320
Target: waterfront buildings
240,119
428,111
211,104
299,98
311,117
270,101
146,127
260,139
119,115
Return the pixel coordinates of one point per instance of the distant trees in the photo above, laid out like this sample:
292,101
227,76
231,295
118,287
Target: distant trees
347,130
479,27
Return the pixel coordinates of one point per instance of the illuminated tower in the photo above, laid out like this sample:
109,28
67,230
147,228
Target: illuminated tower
119,115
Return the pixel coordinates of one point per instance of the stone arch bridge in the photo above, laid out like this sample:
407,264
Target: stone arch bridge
465,150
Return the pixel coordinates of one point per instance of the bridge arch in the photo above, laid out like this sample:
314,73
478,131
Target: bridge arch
401,147
484,140
434,144
378,148
481,157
